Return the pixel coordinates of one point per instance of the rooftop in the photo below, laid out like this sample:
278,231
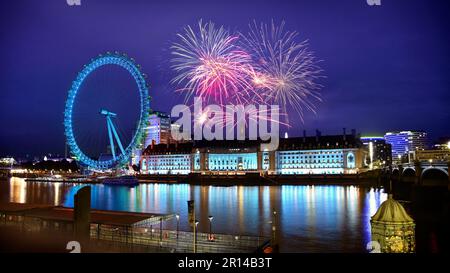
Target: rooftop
301,143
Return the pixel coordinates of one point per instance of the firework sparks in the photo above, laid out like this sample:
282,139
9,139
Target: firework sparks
284,71
265,67
210,65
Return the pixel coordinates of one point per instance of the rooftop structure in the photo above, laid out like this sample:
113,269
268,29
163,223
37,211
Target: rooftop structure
336,154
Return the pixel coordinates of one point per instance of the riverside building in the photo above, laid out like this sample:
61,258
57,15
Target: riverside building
336,154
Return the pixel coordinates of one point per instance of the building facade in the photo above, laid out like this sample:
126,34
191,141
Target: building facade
380,152
436,156
403,142
158,129
167,159
343,154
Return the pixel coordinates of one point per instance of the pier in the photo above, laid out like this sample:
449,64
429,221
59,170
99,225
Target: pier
124,231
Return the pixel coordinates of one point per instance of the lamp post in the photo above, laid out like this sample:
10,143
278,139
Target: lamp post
195,236
178,224
210,218
160,232
274,229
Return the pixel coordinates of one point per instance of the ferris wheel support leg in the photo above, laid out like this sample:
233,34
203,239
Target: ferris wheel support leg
116,136
111,141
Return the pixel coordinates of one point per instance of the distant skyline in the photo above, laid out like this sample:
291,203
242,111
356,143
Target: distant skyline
387,67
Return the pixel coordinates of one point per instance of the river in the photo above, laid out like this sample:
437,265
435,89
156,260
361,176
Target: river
310,218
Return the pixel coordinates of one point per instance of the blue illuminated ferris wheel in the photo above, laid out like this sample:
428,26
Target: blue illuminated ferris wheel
120,153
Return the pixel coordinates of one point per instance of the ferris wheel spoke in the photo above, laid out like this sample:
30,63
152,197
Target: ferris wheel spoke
85,145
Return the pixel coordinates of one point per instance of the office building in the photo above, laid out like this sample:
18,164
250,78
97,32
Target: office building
158,129
380,154
403,142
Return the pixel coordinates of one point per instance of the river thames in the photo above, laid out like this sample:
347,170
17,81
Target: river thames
310,218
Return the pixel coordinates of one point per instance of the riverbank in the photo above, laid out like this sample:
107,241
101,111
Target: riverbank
254,179
249,179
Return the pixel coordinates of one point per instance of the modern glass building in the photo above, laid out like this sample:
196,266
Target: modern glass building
158,129
403,142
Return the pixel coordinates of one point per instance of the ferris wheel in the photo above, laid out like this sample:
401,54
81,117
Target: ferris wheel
117,147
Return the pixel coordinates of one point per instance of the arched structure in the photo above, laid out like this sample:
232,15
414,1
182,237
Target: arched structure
125,150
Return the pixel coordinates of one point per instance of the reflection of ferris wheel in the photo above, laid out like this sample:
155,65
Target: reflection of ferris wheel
121,155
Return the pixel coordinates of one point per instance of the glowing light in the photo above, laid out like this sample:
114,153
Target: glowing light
210,64
285,71
266,66
203,118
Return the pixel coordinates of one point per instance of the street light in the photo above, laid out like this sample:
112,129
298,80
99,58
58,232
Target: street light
195,235
274,228
178,223
210,218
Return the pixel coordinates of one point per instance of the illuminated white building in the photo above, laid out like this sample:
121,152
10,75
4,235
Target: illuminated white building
341,154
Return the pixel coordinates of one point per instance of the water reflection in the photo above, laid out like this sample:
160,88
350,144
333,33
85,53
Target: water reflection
310,218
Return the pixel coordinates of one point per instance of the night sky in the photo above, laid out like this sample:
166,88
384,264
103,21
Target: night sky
386,67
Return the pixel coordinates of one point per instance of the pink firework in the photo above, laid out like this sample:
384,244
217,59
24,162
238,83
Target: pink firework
284,71
210,65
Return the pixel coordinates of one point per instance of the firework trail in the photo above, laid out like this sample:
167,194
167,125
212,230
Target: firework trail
209,64
284,71
266,66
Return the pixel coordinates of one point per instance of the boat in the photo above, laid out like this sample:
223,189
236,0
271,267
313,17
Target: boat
124,180
60,179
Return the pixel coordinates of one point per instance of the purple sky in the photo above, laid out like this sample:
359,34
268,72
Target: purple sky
387,67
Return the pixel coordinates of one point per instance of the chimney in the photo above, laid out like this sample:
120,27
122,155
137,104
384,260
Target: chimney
153,144
344,135
304,136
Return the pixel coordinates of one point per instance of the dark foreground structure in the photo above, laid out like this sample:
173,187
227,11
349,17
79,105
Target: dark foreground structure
46,228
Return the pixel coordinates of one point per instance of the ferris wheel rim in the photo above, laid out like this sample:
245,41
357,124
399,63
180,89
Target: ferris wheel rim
139,78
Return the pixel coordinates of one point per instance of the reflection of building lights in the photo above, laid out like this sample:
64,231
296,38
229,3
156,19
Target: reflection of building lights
18,190
57,196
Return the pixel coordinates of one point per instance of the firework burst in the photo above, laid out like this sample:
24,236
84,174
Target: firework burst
267,66
210,65
284,71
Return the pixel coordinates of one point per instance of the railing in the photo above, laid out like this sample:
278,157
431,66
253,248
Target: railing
181,241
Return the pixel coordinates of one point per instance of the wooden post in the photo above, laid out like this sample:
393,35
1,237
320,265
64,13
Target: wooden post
82,213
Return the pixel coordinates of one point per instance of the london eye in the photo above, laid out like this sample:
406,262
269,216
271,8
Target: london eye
106,112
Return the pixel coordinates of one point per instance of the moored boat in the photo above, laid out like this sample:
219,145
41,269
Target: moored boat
124,180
